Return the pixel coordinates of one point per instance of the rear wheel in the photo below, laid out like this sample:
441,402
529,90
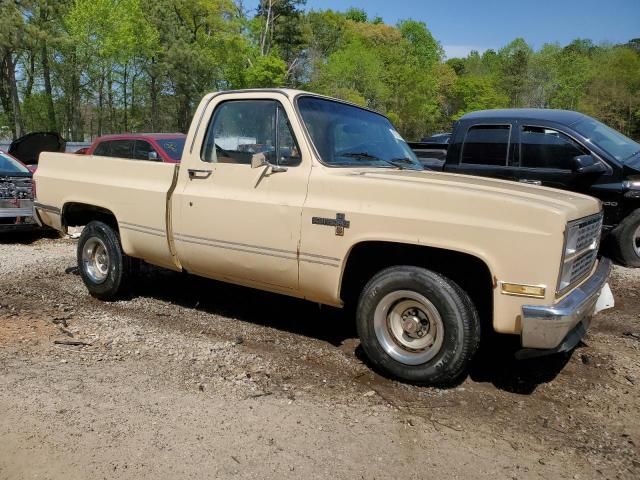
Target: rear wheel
626,238
103,266
417,325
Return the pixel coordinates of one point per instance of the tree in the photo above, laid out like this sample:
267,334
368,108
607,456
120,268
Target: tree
514,64
13,30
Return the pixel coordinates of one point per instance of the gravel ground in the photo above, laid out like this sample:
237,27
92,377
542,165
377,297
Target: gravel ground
191,378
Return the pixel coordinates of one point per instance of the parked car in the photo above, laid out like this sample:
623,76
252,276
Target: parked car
308,196
440,138
554,148
27,148
16,195
159,147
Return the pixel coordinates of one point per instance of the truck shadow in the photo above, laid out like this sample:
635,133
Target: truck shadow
494,363
280,312
26,237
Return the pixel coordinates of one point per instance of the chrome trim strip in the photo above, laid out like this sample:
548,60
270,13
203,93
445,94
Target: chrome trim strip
229,247
319,263
259,250
16,212
246,245
142,226
46,208
313,255
155,234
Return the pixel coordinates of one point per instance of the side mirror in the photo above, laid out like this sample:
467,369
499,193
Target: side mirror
153,156
258,160
584,164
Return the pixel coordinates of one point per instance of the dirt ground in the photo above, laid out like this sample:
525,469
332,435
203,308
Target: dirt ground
190,378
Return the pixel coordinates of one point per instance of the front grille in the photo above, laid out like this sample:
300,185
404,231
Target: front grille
589,232
581,251
583,265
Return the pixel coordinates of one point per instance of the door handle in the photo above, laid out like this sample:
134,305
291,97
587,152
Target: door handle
199,174
530,182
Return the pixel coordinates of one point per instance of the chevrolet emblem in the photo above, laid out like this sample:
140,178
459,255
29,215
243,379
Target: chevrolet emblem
340,223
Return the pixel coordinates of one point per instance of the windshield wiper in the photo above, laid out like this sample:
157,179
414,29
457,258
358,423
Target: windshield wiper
408,161
368,156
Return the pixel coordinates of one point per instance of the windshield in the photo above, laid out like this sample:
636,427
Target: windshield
8,165
173,147
611,141
345,135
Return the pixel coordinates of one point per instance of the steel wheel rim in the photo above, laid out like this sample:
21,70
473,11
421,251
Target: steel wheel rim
636,241
95,260
408,327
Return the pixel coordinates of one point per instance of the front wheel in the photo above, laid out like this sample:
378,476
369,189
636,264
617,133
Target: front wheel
417,325
626,238
103,266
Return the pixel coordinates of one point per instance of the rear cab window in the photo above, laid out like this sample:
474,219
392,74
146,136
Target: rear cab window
487,145
122,148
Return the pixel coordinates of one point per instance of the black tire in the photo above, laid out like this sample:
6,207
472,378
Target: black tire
117,269
459,326
625,240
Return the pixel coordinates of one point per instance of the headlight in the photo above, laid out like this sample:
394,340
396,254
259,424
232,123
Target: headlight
581,242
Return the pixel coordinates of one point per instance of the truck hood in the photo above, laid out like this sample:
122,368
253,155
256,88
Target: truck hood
569,204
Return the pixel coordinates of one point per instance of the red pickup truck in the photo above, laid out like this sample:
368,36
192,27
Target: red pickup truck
159,147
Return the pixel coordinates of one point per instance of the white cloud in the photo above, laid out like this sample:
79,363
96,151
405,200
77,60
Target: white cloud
461,51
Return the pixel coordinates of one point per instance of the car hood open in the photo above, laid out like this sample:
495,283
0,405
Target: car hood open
27,148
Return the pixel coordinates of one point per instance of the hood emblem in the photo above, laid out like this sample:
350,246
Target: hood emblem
340,223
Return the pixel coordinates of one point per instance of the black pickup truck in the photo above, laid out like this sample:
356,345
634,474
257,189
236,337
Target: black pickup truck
555,148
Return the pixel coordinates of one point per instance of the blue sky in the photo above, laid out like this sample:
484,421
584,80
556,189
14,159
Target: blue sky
463,25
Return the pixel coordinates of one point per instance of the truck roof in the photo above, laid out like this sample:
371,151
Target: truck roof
291,93
133,136
567,117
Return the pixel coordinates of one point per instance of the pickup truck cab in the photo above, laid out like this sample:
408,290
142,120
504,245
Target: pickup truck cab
313,197
554,148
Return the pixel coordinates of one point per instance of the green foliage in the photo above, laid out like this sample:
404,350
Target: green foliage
357,15
470,93
269,71
423,47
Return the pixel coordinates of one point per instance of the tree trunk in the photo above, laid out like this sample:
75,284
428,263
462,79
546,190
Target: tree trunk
110,100
124,94
31,73
46,74
10,76
154,100
100,101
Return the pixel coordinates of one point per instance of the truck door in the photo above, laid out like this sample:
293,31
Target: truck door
486,150
546,157
234,222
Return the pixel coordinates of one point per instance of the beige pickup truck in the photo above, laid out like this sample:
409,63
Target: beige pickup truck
312,197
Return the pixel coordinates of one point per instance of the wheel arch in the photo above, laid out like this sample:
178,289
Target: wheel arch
77,214
469,271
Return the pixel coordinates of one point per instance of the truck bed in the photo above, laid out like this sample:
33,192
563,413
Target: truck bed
431,155
135,192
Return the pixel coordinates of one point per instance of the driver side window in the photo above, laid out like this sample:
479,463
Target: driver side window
241,129
542,147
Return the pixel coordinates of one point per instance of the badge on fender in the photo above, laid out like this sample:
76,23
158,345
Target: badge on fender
340,223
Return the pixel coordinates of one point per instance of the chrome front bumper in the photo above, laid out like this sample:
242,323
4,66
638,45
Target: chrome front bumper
560,327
